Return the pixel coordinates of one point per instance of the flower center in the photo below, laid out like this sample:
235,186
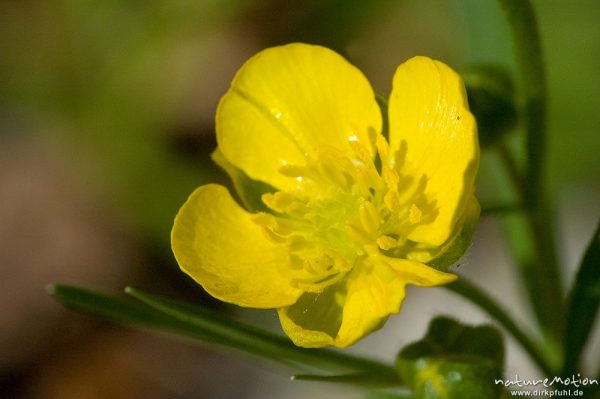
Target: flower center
346,206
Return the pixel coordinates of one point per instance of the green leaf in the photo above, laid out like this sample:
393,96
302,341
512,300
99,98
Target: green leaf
582,307
395,394
491,99
361,379
453,361
257,341
109,307
167,315
469,291
227,332
124,311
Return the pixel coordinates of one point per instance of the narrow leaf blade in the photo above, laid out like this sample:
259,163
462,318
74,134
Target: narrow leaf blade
361,379
167,315
257,341
582,308
122,311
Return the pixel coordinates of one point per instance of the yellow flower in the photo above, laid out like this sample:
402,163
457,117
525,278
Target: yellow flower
344,218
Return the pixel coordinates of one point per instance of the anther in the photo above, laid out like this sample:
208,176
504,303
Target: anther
414,214
386,242
357,233
383,148
369,217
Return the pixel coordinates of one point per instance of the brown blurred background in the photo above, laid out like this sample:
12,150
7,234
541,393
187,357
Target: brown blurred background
106,125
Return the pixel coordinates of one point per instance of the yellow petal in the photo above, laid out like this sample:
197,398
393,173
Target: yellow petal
216,242
375,294
301,336
347,311
460,240
314,320
287,101
417,273
428,111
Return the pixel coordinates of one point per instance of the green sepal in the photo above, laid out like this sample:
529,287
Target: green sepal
453,361
490,91
248,190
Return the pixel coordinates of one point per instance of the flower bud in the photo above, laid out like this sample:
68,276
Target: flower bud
491,99
453,361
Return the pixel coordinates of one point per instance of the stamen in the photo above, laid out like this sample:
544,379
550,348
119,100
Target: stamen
292,170
297,243
285,227
329,169
356,232
325,269
386,242
344,208
392,201
414,214
278,201
361,152
285,203
383,149
272,236
264,219
390,177
320,285
369,217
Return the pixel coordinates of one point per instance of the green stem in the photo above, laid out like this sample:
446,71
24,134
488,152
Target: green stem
471,292
525,244
500,209
523,24
512,169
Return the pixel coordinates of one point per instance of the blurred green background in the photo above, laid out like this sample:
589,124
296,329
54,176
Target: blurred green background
106,125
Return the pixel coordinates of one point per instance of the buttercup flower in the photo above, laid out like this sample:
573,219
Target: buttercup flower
338,219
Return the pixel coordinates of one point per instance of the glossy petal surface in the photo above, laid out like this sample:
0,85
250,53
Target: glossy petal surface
285,103
428,112
218,245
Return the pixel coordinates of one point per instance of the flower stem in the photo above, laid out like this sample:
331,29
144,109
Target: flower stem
474,294
500,209
523,24
512,169
546,286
